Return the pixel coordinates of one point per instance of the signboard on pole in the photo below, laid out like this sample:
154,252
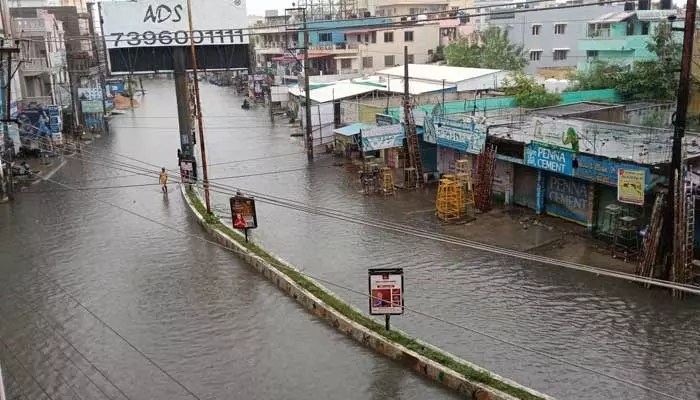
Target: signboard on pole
188,171
243,212
630,186
385,291
90,94
91,106
140,35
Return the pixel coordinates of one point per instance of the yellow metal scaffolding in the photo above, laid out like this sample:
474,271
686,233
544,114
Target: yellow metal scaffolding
450,199
387,181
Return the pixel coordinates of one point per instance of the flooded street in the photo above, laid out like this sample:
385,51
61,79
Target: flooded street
222,331
192,308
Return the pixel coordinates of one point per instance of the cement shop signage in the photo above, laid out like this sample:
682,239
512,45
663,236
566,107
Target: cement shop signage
604,171
382,137
549,158
567,198
468,136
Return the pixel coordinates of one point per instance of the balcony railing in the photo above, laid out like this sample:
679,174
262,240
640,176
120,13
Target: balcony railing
27,25
35,66
38,100
599,34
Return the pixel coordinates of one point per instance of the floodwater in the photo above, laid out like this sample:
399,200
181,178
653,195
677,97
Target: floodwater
223,332
98,303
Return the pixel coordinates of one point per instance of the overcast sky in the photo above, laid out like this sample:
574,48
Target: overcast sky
258,7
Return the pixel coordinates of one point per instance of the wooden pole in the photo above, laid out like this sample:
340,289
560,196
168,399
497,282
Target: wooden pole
198,106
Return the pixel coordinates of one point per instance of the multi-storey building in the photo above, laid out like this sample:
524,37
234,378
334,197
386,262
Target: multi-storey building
394,8
551,36
382,48
43,71
621,37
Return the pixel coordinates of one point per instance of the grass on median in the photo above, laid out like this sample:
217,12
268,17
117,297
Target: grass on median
349,312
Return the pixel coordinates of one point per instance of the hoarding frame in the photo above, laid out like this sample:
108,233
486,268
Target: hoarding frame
233,201
385,271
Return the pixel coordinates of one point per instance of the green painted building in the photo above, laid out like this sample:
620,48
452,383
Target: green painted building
622,37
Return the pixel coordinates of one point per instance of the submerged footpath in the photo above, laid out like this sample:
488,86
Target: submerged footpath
449,370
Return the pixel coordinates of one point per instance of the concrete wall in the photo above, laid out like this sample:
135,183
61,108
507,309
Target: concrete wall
426,38
419,364
576,20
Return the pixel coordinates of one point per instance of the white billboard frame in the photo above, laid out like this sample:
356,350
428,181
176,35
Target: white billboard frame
164,23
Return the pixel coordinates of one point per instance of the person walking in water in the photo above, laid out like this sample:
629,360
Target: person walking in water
164,180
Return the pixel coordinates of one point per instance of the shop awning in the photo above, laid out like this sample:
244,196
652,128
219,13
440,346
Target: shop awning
353,129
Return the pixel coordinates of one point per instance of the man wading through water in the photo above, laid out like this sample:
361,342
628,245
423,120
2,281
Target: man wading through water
164,180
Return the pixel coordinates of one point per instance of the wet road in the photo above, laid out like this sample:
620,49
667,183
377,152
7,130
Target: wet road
95,301
218,328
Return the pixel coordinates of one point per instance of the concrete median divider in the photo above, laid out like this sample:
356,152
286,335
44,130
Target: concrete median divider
457,374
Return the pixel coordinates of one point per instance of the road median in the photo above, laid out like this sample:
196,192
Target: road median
435,364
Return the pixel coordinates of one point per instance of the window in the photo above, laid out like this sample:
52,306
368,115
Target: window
592,53
536,30
389,61
374,37
535,55
325,37
345,63
408,36
559,29
366,37
645,28
388,37
367,62
359,38
411,58
560,55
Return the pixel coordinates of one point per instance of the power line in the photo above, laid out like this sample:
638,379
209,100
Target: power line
392,24
409,309
404,229
399,228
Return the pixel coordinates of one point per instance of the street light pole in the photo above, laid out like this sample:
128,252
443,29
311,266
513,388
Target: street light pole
198,111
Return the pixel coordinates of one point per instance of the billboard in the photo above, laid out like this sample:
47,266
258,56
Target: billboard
382,137
549,158
385,291
630,186
468,136
243,212
141,35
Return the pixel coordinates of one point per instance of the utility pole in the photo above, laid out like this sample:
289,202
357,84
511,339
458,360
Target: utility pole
307,94
198,111
669,232
9,187
98,49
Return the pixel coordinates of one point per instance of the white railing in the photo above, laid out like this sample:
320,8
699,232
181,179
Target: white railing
42,100
30,25
35,64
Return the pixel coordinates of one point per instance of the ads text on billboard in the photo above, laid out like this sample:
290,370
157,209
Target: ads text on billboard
141,35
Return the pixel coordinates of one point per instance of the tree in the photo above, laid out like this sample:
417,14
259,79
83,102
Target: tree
486,49
645,79
527,92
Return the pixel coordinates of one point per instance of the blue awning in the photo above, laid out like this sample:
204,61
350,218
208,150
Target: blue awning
353,129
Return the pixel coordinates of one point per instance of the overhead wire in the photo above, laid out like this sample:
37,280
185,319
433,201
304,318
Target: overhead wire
404,229
525,348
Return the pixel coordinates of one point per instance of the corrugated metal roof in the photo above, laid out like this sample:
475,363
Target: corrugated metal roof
609,18
339,90
437,73
395,85
353,129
